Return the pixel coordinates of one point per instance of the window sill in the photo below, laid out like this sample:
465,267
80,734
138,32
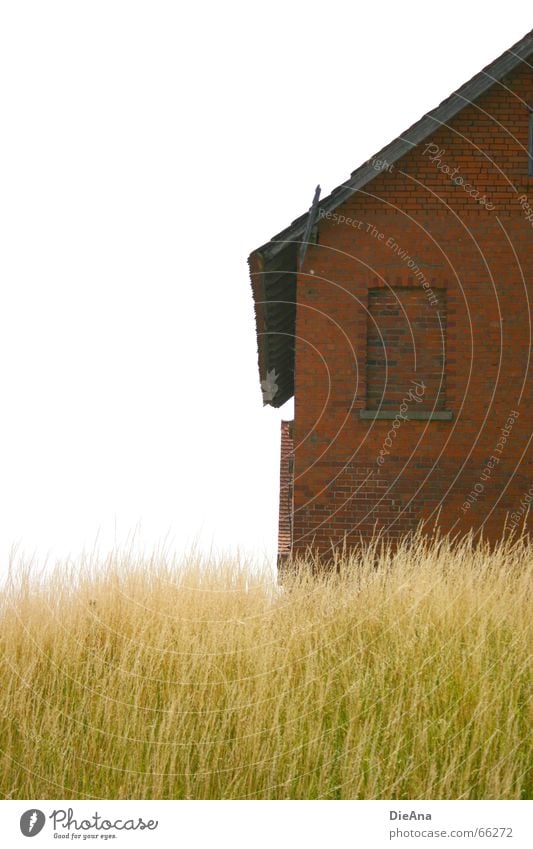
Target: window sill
414,415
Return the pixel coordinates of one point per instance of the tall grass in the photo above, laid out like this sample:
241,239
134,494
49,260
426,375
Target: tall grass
404,674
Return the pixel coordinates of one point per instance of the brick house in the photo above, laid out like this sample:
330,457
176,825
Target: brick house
397,312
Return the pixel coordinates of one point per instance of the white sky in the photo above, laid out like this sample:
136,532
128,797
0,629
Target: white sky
146,149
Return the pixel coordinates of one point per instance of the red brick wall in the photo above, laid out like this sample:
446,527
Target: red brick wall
475,253
285,491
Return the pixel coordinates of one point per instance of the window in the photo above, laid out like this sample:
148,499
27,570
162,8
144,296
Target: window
406,353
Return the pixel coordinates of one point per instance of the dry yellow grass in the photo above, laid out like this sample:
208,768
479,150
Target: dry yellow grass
404,677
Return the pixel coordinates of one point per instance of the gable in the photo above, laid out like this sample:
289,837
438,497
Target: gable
273,266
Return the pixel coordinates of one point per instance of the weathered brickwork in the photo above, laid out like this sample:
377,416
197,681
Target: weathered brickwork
406,345
412,234
285,490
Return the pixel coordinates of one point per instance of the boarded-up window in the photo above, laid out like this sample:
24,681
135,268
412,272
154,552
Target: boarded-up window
406,342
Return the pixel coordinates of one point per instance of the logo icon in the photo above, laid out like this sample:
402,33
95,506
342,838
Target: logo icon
32,822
